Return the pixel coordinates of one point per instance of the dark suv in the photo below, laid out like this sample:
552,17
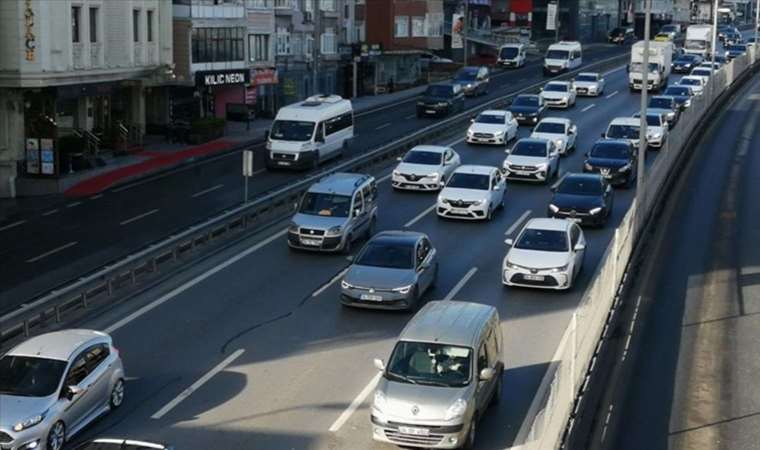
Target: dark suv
440,100
621,36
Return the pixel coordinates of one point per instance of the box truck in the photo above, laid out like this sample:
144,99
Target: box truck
698,40
660,58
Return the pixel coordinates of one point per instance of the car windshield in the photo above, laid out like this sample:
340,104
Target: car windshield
555,87
610,151
664,103
391,256
292,130
430,364
580,186
508,53
28,376
617,31
652,120
529,148
423,157
638,67
526,101
470,181
467,75
591,78
542,240
680,91
490,118
695,44
669,28
623,132
557,54
439,91
550,127
690,82
328,205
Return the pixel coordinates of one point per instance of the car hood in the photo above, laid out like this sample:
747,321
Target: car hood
577,202
607,162
554,62
549,136
555,95
431,402
418,169
651,130
537,259
379,277
523,109
318,222
526,160
464,194
487,128
14,409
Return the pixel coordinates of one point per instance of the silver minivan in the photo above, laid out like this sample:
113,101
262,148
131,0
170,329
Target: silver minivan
336,211
444,372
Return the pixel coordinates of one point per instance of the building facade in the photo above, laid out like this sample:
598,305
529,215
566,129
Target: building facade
95,68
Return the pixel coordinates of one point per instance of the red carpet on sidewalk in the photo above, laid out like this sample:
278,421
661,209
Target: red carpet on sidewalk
157,161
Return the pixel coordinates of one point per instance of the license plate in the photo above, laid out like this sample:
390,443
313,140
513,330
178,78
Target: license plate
413,186
429,111
522,172
372,298
534,277
414,431
283,163
573,219
312,242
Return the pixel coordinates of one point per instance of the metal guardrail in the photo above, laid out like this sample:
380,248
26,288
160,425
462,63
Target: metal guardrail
104,281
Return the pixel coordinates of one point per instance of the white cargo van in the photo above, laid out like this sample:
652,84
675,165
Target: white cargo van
307,133
698,40
562,56
660,59
512,55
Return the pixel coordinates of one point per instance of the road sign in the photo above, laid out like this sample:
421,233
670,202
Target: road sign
247,163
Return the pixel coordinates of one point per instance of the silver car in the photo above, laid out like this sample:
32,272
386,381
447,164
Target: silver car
55,384
425,168
392,271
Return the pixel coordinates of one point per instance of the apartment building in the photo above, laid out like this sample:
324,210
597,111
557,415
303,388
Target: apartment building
97,68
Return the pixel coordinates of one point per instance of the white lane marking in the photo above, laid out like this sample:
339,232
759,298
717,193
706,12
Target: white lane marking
206,191
11,225
170,295
385,178
71,205
420,216
452,143
52,211
455,290
345,415
612,95
410,116
517,223
613,71
195,386
53,251
330,283
96,196
256,172
588,107
138,217
383,126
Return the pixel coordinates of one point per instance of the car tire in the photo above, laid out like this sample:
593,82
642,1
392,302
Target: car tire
116,398
469,443
56,437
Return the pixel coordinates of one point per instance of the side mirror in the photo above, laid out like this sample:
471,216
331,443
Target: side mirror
487,374
350,258
295,205
602,134
379,364
72,391
441,183
472,120
266,135
507,151
399,159
357,212
509,242
578,247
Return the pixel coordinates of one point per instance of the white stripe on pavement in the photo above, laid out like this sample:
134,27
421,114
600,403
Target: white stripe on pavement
51,252
345,415
455,290
385,125
71,205
52,211
588,107
195,386
96,196
420,216
612,95
138,217
517,223
206,191
453,143
330,283
11,225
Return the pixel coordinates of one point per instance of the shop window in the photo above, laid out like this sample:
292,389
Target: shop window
434,24
402,27
283,41
75,23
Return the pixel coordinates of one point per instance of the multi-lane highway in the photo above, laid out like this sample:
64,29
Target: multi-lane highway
66,239
251,349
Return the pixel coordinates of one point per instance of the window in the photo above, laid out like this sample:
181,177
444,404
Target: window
327,5
136,25
218,44
361,31
283,41
93,25
285,4
482,358
329,42
78,371
149,24
339,123
308,48
418,27
402,27
258,47
95,355
492,348
575,235
434,24
75,23
358,201
253,4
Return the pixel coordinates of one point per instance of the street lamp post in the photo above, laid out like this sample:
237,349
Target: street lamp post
641,168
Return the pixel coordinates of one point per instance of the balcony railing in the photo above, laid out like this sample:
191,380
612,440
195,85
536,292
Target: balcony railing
77,54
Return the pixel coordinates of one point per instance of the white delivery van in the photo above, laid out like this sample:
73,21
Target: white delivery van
698,40
307,133
512,55
660,59
562,56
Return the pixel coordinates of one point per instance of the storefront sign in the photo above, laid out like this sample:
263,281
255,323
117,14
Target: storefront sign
30,41
32,156
371,50
47,156
264,76
223,78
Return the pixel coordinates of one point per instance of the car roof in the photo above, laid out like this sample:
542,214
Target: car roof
618,142
429,148
58,344
562,120
562,83
583,176
449,322
565,45
690,77
594,74
397,237
475,169
624,121
339,183
495,112
542,223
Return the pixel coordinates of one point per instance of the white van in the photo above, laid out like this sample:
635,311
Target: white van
307,133
562,56
512,55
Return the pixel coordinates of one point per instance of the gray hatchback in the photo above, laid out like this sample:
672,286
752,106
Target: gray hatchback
392,271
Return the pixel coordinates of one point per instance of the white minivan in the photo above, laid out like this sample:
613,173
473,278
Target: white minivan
512,55
562,56
307,133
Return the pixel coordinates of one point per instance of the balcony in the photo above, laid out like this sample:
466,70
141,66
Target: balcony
284,6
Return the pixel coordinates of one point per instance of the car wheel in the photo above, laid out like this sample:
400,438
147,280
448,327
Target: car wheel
471,434
56,436
117,394
496,396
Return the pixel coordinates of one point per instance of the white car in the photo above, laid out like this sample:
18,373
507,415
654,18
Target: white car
589,83
532,159
706,65
697,84
657,128
559,130
703,72
473,193
492,127
558,94
626,128
425,168
548,253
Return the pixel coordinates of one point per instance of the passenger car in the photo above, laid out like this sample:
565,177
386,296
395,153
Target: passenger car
559,94
527,108
684,63
561,131
736,50
392,271
441,99
472,192
681,94
703,72
624,128
425,168
615,160
492,127
589,83
121,444
697,84
621,36
55,384
548,254
663,37
657,128
667,105
583,198
532,160
474,80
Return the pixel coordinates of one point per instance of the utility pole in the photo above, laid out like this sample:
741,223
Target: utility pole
714,44
556,24
465,28
642,161
757,24
316,46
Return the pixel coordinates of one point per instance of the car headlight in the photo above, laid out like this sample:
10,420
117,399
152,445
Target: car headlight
542,167
655,135
671,115
380,401
468,86
420,103
345,284
268,145
293,227
587,166
434,176
625,168
442,104
499,133
403,289
28,423
596,210
470,132
559,143
306,146
553,207
478,202
456,410
396,173
559,269
334,231
687,103
509,265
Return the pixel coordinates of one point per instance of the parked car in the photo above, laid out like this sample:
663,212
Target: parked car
532,160
53,385
681,94
392,271
474,80
696,83
559,94
684,63
548,254
527,108
121,444
492,127
473,193
425,168
615,160
657,128
621,36
561,131
582,198
589,83
441,99
667,105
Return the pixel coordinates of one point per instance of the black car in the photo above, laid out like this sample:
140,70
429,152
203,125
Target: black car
614,159
440,100
736,50
681,94
527,108
473,80
621,36
121,444
684,63
586,198
666,105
